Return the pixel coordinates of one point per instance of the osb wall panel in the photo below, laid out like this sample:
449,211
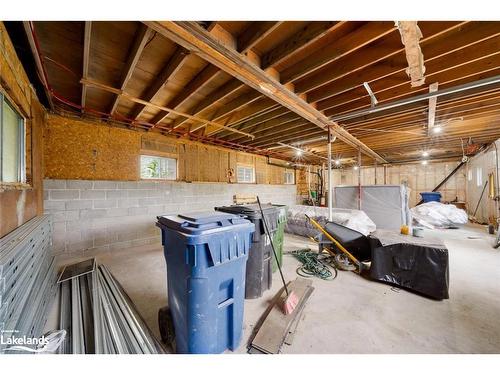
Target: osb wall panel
88,150
78,150
18,204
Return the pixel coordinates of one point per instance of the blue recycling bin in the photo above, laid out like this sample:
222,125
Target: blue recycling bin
206,255
432,196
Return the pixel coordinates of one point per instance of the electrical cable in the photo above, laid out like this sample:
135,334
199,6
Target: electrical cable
314,264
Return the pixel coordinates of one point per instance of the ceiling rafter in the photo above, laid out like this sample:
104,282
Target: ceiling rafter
199,81
87,36
255,33
174,63
193,37
142,36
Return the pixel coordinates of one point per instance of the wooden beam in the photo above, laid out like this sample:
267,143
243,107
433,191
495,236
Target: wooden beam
141,38
200,42
146,103
224,91
347,44
432,108
28,28
256,32
86,58
173,65
312,32
200,80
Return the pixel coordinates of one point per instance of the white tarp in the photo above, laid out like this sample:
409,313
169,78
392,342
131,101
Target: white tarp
353,219
438,215
386,205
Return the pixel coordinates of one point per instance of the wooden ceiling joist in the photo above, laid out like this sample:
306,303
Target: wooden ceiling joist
255,33
206,104
146,103
142,36
305,37
196,39
174,63
200,80
86,58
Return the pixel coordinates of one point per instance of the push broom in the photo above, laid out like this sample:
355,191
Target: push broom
291,300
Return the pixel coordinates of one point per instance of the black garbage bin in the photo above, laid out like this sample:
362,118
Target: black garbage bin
259,276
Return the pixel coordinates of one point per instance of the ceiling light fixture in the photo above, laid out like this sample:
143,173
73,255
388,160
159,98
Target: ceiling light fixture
424,162
299,153
425,154
337,162
356,167
436,129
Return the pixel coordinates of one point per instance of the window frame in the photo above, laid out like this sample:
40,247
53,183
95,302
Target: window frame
21,167
289,172
154,155
248,166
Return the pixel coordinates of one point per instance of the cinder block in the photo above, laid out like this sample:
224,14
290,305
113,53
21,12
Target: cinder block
116,212
64,194
120,245
54,184
148,201
113,194
82,245
93,194
78,204
105,184
134,202
155,193
127,185
137,193
72,215
92,214
79,184
156,210
80,225
105,203
54,205
132,211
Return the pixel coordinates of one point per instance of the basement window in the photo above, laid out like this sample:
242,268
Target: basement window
158,168
12,144
246,174
289,177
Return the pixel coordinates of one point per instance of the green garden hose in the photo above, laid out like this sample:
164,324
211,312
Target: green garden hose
314,264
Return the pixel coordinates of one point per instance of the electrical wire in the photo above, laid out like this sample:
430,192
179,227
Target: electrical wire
314,264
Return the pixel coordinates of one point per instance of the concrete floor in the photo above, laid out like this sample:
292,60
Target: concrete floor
352,314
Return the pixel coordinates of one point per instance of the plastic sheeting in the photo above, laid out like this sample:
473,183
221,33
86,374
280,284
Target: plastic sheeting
386,205
420,265
438,215
297,222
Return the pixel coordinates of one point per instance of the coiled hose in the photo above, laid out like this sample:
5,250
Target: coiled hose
314,264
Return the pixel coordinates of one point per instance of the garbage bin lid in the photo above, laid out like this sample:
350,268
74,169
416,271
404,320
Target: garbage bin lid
197,223
250,210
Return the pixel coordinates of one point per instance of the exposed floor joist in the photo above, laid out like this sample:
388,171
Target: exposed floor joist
196,39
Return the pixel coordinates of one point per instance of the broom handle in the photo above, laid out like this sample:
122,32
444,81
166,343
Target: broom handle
266,229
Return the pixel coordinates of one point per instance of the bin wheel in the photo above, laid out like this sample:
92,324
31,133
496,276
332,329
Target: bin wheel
166,325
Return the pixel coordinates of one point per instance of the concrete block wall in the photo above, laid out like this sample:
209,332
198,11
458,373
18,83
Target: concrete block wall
109,215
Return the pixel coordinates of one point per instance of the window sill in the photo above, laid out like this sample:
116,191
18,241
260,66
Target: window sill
14,186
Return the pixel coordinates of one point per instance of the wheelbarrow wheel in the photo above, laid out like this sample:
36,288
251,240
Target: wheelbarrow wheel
166,326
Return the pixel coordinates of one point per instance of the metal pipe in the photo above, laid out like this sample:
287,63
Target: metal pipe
418,98
330,188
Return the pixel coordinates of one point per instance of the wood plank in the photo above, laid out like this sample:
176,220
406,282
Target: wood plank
432,108
142,36
193,37
221,93
349,43
145,103
200,80
86,57
271,334
173,65
257,31
302,39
